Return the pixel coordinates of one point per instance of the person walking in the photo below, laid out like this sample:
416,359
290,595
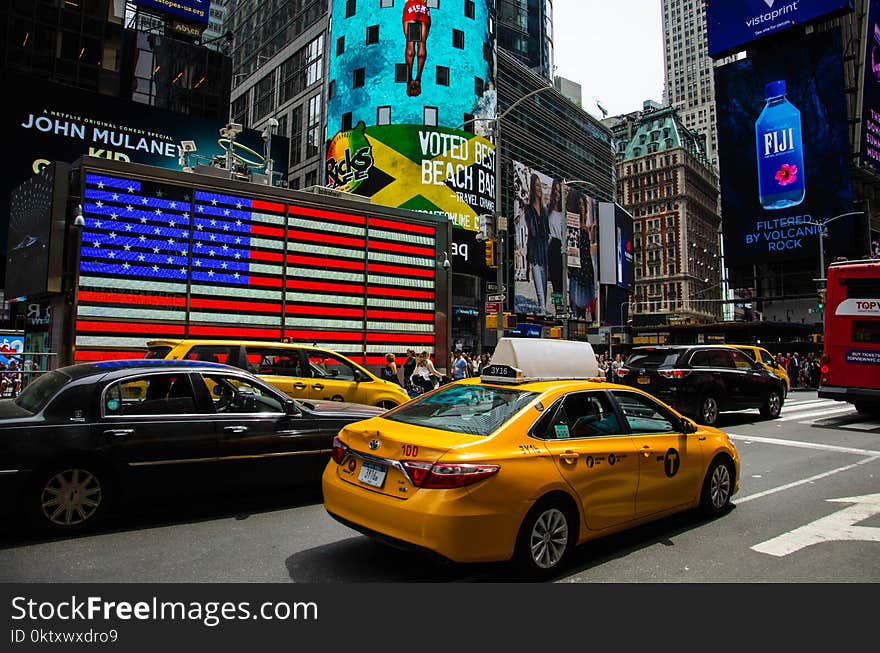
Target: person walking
459,366
389,370
409,367
425,376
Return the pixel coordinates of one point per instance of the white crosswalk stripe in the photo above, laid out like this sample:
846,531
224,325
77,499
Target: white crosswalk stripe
816,408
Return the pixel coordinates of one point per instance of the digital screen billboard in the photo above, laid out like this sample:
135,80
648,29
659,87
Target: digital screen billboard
556,250
45,122
784,152
194,11
616,226
731,25
870,132
411,92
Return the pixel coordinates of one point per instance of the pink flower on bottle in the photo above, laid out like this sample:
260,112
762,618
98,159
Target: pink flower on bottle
787,174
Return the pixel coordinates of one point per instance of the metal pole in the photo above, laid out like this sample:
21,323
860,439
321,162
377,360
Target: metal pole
821,253
565,311
501,253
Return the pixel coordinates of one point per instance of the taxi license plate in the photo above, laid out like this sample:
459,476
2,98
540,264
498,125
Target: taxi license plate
371,474
644,380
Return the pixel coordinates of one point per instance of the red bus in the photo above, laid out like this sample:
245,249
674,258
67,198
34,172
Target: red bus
851,359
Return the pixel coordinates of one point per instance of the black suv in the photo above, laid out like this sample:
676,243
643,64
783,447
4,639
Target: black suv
704,380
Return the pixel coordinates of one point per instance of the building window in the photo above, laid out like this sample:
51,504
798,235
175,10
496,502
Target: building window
346,122
468,123
400,73
478,86
331,90
296,135
311,178
264,96
442,76
458,39
304,68
358,77
313,131
350,8
383,116
340,45
372,34
431,116
386,4
469,9
433,4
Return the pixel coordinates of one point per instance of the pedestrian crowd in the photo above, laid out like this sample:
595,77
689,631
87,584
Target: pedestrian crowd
418,373
803,371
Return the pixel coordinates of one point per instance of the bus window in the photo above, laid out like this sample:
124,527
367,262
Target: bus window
864,331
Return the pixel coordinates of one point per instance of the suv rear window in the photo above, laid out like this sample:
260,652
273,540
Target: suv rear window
159,351
652,358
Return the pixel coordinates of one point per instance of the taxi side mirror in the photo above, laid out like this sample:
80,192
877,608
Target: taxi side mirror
688,426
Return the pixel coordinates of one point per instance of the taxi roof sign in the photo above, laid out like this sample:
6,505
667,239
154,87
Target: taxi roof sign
520,360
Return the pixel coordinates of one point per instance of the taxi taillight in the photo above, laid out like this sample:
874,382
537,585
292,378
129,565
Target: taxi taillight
445,476
339,451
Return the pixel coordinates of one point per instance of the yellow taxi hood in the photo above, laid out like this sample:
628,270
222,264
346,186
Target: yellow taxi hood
387,439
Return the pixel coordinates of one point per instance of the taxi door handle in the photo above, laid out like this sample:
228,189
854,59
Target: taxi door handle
318,386
568,457
235,429
647,451
299,386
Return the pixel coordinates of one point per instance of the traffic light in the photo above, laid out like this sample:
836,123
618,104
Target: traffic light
556,332
490,253
492,321
820,296
509,321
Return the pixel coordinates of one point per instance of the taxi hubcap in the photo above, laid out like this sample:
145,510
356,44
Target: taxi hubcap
70,497
549,538
719,489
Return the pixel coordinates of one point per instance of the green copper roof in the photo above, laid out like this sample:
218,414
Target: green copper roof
658,131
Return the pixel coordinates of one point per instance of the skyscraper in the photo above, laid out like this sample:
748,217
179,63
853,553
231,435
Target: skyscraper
525,30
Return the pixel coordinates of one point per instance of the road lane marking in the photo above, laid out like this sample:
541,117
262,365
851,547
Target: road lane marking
788,486
819,413
809,403
805,445
836,527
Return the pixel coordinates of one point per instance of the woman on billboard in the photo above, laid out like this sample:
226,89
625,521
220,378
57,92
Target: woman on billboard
556,220
582,280
416,24
538,241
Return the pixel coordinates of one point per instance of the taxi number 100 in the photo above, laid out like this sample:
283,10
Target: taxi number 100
410,450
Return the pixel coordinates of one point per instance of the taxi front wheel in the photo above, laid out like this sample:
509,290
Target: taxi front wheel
545,538
717,488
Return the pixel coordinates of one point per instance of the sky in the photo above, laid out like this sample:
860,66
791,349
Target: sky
613,49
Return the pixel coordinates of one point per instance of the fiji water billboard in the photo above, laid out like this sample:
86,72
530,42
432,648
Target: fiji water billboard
870,141
411,92
784,151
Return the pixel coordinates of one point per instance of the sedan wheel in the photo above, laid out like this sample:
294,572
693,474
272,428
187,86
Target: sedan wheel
709,411
545,539
70,498
772,405
717,488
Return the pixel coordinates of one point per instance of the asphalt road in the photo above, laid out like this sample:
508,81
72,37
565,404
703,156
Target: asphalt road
808,510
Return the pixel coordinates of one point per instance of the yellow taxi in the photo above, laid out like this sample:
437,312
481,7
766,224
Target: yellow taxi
300,371
525,462
768,360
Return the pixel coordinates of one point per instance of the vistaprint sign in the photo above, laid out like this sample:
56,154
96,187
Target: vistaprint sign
731,25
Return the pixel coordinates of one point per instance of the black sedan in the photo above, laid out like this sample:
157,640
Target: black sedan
81,438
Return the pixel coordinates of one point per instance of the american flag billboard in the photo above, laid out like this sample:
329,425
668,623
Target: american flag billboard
163,260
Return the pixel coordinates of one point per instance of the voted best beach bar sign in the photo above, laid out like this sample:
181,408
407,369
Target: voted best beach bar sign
733,24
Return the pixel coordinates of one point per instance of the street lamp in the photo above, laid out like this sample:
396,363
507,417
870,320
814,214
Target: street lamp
821,224
501,223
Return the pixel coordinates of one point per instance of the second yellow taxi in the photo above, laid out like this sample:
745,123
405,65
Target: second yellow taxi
525,463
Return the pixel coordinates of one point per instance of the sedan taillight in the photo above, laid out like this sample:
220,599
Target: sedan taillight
673,374
622,372
339,451
445,476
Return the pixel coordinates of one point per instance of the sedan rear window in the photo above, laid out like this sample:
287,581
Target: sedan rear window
37,394
652,358
471,409
160,352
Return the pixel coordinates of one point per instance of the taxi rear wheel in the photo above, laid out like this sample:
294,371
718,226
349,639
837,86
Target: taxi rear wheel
546,538
717,488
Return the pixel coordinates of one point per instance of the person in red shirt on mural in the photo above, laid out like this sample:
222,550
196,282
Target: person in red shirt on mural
416,24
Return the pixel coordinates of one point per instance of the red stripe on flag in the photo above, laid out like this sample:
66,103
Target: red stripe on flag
123,298
113,328
237,332
427,273
84,356
401,249
327,215
400,315
401,292
261,205
308,337
324,238
257,255
266,282
229,305
403,226
332,288
262,230
337,264
324,310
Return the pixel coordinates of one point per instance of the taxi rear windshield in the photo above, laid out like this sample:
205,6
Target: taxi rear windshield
653,358
471,409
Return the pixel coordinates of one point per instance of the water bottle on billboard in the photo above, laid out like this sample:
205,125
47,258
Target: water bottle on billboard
780,151
620,247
